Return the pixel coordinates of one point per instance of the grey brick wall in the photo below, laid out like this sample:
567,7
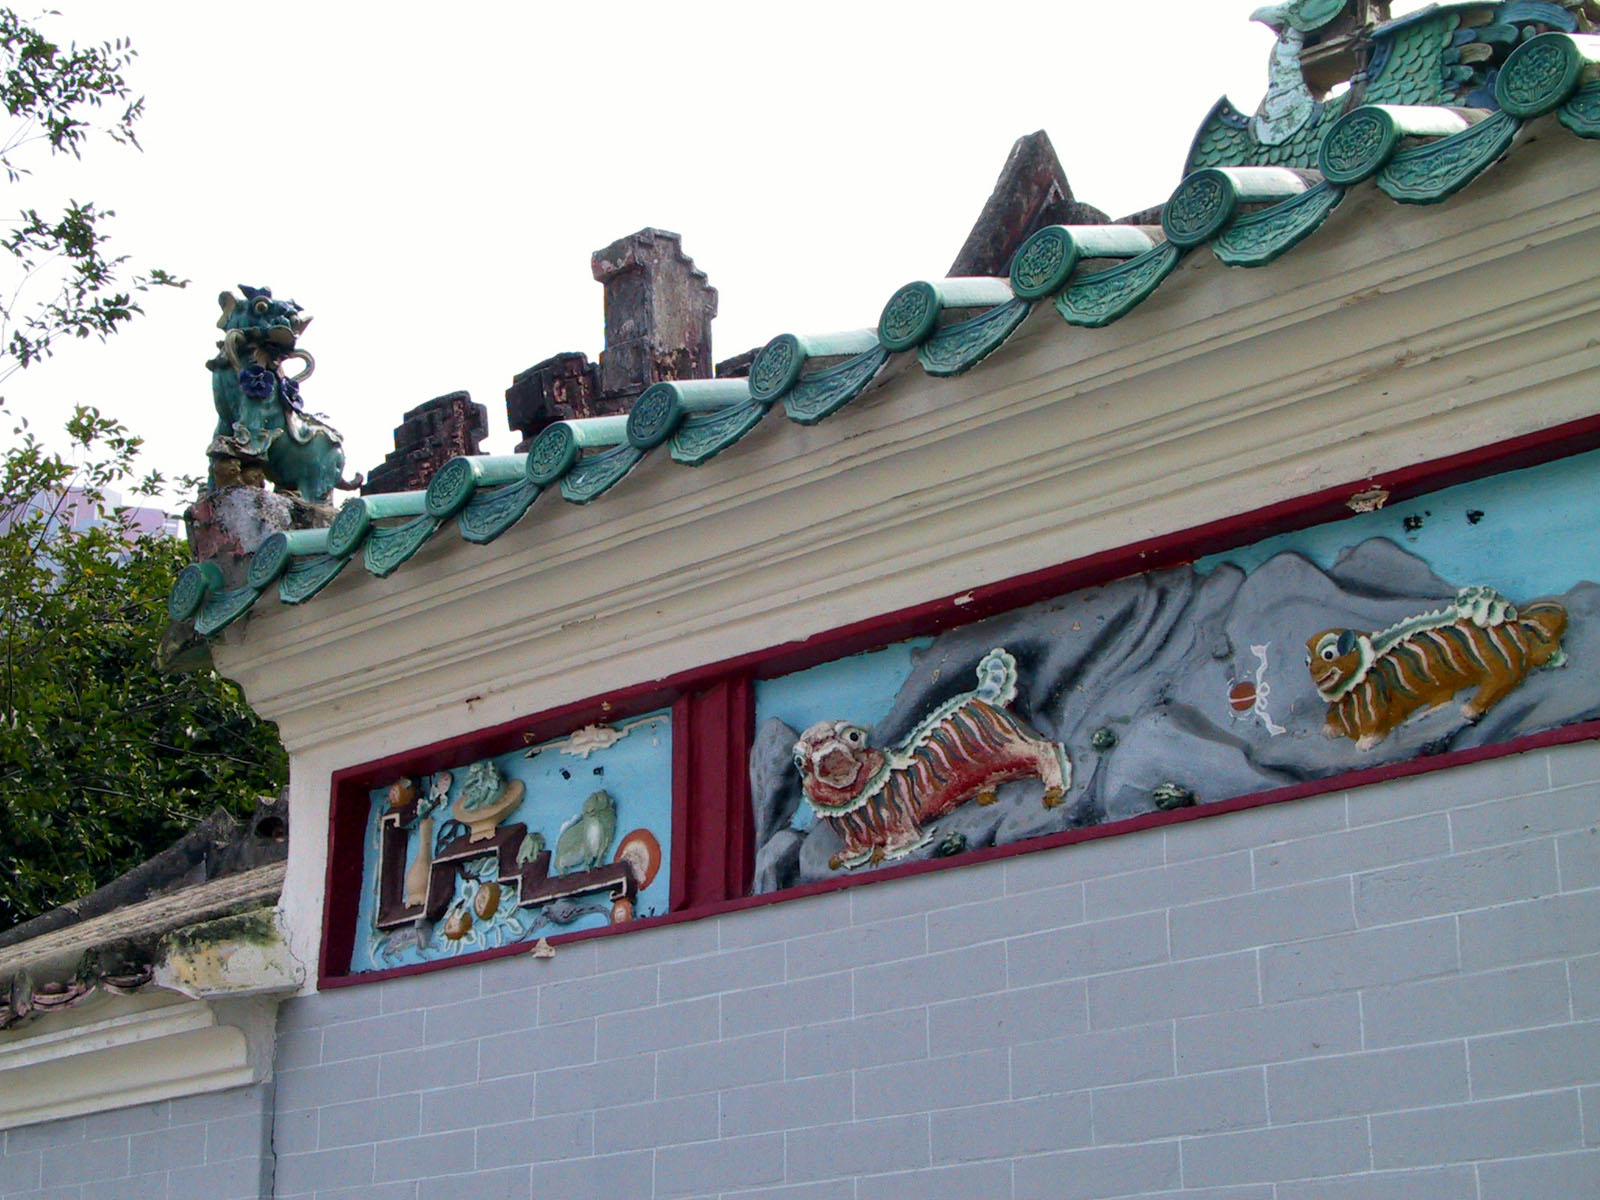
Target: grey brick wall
1390,993
214,1147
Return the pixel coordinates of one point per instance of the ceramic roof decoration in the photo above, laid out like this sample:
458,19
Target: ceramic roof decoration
1444,95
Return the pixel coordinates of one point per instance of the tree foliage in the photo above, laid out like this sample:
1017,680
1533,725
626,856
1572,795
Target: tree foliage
104,760
54,95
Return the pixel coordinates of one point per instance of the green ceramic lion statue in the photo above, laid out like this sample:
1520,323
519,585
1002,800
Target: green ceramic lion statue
263,434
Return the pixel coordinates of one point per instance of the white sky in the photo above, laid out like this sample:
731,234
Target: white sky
429,181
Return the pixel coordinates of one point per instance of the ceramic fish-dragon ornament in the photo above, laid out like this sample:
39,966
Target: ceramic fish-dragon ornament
1443,55
1373,682
263,434
881,802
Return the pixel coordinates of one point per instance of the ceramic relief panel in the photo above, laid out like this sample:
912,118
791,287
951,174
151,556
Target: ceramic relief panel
571,834
1462,618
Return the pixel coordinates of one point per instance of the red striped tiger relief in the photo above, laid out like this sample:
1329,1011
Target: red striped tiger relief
1373,682
881,801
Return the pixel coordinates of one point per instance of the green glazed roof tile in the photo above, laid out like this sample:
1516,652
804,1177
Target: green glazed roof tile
491,513
962,346
1413,63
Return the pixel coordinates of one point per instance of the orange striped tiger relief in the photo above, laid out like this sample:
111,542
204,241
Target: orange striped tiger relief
1373,682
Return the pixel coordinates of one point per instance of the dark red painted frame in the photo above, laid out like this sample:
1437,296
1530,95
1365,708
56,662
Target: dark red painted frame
713,714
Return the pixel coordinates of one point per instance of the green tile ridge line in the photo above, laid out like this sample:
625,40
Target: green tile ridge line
1581,114
1544,72
308,576
222,609
1257,238
662,407
560,444
825,393
1362,141
1046,260
190,589
490,513
699,418
1101,297
1205,201
702,436
454,484
356,516
962,346
273,556
590,478
780,364
1436,171
912,313
388,546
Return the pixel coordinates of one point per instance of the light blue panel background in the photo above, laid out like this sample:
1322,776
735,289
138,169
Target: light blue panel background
1539,533
859,689
637,771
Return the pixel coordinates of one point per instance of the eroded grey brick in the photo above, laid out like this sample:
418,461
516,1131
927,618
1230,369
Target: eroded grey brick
664,1027
1093,948
1190,1104
789,1104
786,1005
655,1123
1096,1172
699,1168
830,1046
711,1068
1354,1084
1467,1004
1271,1033
1535,1060
1012,1128
1266,918
727,971
1003,917
1429,1183
424,1157
1551,927
1482,1129
932,1083
1026,1014
977,970
1367,958
1275,1155
544,1139
1554,1175
968,1181
1088,1060
1161,887
858,1148
576,1089
1183,989
1347,851
856,946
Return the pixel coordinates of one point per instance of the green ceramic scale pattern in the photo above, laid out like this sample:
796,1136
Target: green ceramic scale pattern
1259,237
1418,62
489,514
1430,173
962,346
703,436
1100,297
590,478
386,548
825,393
1581,114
